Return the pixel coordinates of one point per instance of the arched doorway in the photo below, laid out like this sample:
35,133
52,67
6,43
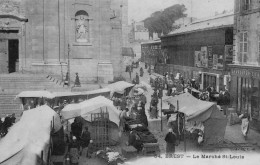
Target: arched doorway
12,36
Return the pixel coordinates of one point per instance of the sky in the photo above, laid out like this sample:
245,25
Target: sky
138,10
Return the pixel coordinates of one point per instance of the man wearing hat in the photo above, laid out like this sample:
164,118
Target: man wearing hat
170,139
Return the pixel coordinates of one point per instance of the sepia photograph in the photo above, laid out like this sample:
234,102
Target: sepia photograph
129,82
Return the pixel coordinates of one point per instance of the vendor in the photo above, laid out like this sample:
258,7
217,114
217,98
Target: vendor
143,117
91,149
123,118
134,140
76,128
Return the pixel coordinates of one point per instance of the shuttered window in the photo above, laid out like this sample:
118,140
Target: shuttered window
243,46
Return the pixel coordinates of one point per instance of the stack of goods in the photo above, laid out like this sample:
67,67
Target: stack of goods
145,135
133,122
110,157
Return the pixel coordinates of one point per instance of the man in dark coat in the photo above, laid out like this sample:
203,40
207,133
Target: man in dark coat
141,72
170,139
131,138
13,118
85,137
137,78
76,128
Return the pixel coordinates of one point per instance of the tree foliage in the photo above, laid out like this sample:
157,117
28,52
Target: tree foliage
161,21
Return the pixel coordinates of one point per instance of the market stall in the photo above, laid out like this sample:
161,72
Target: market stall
29,140
32,99
92,110
201,115
120,88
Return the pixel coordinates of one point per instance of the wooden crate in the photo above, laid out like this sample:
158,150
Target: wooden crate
151,149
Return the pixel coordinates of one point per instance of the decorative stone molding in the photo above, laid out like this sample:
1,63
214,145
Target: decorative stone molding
11,9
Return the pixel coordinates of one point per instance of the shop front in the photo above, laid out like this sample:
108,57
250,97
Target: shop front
245,90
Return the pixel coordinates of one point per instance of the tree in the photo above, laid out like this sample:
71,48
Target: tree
161,21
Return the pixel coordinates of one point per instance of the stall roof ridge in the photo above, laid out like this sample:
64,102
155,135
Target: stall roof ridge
219,21
153,41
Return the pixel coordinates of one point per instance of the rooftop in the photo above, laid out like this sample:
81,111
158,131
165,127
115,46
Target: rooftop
225,20
153,41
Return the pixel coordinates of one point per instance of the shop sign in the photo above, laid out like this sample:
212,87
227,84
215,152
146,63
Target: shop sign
197,59
246,73
210,57
201,58
228,54
204,56
215,61
255,75
241,72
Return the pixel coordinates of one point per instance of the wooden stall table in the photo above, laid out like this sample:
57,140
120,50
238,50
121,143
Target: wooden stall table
129,152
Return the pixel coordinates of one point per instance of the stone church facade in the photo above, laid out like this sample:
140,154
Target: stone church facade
56,36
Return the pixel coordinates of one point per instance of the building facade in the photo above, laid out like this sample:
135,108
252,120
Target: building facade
201,51
82,36
151,52
245,70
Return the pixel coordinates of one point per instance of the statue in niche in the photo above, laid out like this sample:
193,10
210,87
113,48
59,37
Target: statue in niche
82,27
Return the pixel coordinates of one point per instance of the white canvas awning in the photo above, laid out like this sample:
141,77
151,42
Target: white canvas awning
28,137
94,105
119,87
37,94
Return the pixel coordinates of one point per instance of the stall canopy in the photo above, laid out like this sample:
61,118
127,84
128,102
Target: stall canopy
201,111
28,137
93,92
94,105
119,87
38,94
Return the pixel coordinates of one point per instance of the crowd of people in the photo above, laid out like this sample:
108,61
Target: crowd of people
80,142
6,123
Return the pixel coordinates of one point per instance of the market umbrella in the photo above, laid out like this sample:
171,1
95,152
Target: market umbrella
142,86
38,94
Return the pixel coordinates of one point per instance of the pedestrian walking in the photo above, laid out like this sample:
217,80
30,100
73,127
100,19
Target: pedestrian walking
130,72
245,124
137,78
141,72
170,139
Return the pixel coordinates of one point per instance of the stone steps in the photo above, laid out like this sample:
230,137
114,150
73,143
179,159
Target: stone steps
13,84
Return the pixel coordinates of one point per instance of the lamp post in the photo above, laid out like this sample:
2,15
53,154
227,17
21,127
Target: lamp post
68,64
161,86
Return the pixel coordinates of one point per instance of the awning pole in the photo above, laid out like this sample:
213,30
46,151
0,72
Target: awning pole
184,129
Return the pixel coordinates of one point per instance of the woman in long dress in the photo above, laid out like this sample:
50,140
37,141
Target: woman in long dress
245,124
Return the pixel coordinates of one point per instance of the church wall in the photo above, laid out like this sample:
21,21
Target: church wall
51,27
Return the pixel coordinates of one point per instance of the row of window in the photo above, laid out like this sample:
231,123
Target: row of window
245,5
243,45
